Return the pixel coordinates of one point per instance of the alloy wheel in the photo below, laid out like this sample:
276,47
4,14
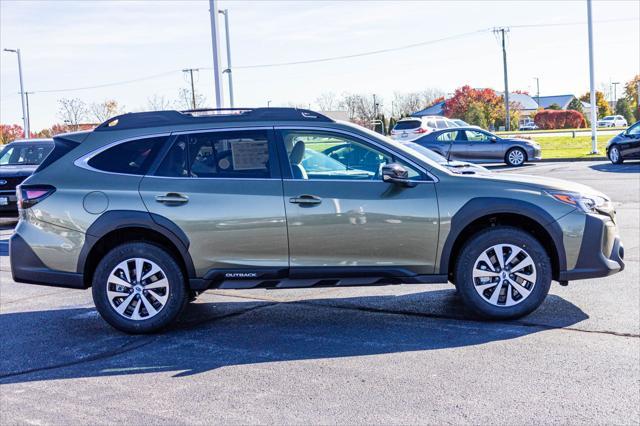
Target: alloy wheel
614,154
504,275
516,157
137,289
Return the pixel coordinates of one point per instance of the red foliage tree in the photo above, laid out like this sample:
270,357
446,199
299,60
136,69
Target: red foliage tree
10,132
459,104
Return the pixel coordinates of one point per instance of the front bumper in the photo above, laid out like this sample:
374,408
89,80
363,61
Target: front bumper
10,209
601,251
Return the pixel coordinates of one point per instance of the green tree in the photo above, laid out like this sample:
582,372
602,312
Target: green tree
576,105
631,94
554,107
475,114
624,109
604,108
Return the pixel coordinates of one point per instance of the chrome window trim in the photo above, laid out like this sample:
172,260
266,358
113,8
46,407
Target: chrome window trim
434,179
83,161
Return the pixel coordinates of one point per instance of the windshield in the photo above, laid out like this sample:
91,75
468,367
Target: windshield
407,124
402,147
24,154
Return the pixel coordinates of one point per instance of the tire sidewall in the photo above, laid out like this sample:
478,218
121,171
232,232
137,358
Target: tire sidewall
524,157
619,160
177,289
480,243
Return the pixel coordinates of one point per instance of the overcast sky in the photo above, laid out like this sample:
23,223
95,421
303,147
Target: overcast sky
67,45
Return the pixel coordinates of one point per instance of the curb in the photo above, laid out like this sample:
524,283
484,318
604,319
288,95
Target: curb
568,159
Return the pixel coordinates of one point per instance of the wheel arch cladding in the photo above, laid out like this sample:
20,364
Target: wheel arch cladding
119,226
479,213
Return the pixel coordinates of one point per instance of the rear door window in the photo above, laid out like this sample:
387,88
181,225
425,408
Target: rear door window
132,157
234,154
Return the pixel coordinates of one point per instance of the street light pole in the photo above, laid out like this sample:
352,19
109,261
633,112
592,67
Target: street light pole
537,90
215,46
26,96
25,115
592,84
225,12
507,123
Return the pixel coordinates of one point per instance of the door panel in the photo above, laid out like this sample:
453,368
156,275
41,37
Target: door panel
480,147
231,222
359,224
341,214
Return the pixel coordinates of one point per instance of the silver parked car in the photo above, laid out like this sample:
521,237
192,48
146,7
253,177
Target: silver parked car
477,145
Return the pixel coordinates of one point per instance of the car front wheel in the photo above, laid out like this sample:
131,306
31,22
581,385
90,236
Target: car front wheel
515,157
614,155
139,288
503,273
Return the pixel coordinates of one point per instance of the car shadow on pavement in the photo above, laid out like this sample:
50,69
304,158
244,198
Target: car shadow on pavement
627,167
72,343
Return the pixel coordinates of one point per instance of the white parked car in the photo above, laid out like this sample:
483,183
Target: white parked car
612,121
411,128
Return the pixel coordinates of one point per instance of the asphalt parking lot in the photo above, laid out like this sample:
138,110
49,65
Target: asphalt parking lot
395,354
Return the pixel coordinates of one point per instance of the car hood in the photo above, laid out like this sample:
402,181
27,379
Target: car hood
17,170
542,183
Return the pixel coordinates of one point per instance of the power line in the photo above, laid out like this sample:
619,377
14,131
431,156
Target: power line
333,58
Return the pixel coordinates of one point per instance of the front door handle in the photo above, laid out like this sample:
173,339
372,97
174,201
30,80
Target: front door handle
172,198
306,200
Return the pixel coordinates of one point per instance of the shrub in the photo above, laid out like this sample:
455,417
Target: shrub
551,119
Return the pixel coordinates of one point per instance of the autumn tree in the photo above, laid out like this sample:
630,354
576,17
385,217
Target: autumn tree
604,108
481,107
631,94
72,111
360,108
10,132
103,111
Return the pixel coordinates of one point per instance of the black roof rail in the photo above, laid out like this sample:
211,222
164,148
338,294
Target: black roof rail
134,120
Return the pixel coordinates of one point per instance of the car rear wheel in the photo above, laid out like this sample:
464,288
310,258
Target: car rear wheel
139,288
614,155
515,157
503,273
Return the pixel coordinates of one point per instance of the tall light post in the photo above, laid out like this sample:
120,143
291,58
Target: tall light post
592,84
215,46
537,79
225,12
25,114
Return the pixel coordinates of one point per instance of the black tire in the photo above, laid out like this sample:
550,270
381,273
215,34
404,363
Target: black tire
615,157
511,161
480,243
177,291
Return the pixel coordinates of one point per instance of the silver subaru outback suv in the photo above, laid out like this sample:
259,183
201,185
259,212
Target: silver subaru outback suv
150,209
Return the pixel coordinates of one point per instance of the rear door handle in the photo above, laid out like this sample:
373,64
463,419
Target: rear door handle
172,198
306,200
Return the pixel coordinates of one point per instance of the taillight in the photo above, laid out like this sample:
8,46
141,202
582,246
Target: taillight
30,195
420,130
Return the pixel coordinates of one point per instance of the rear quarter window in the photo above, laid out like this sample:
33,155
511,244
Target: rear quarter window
132,158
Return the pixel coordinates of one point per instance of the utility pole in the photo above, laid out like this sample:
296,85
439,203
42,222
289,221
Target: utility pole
193,90
215,46
26,96
537,90
592,84
502,31
25,115
615,93
375,107
225,12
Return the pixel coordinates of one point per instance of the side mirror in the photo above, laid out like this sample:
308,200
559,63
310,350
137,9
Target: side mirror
395,173
493,139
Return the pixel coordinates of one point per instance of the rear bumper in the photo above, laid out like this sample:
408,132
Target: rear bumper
601,251
26,267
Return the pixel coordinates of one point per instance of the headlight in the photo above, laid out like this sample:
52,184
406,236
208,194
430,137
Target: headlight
587,203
